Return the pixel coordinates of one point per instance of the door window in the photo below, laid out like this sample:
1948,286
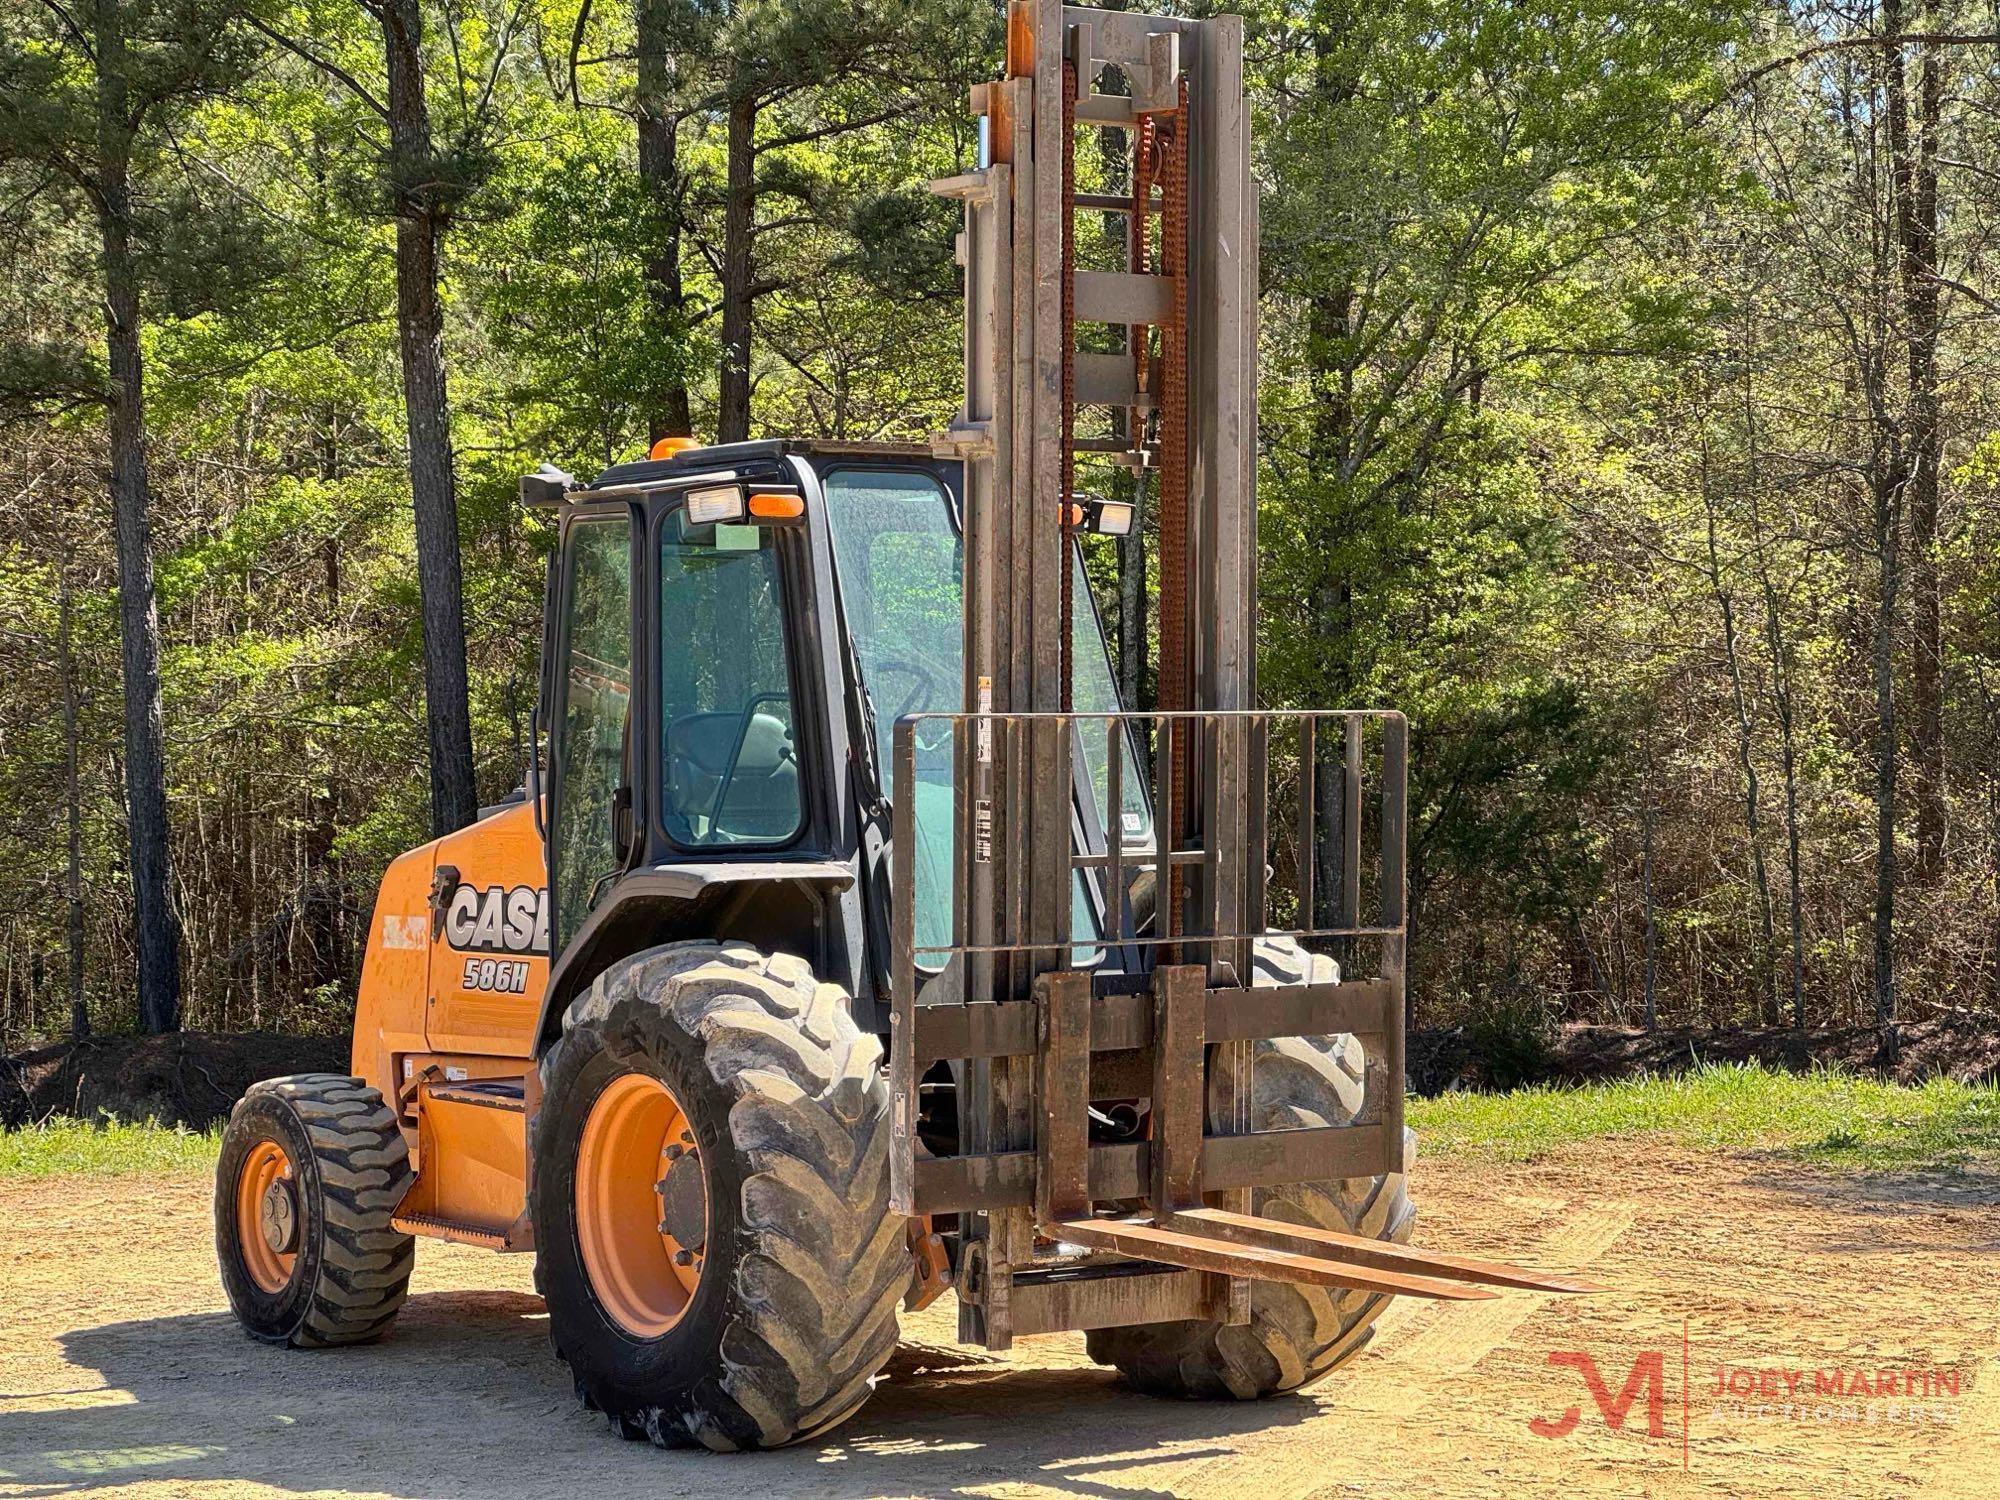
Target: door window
597,706
730,761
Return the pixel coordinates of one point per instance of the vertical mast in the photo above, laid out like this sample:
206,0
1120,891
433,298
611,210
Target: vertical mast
1069,371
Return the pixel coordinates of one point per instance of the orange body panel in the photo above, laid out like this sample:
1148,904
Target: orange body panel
489,956
464,973
451,990
475,1170
395,973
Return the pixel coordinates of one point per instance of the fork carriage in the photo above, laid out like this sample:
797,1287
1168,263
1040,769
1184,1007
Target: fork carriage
1127,1005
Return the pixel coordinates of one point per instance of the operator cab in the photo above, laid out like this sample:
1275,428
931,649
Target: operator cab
773,608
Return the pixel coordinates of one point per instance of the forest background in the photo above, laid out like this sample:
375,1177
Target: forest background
1627,418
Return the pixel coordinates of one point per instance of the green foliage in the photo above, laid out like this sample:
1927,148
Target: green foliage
1483,222
1502,791
562,289
89,128
903,244
1511,1034
1839,1119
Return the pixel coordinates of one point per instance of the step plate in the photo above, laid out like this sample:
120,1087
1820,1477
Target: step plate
1202,1252
488,1093
433,1227
1354,1249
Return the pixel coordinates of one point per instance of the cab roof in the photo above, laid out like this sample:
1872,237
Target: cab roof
738,455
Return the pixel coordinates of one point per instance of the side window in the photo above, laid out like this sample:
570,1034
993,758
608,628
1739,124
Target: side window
1094,691
900,564
728,749
597,678
901,571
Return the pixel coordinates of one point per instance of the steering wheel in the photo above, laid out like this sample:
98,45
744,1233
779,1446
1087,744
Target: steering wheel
923,690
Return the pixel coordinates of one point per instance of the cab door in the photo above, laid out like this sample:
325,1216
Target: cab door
493,913
591,814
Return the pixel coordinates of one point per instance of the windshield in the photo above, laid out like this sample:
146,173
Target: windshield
901,566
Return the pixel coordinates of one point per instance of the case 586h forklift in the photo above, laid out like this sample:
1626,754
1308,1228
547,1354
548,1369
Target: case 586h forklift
855,943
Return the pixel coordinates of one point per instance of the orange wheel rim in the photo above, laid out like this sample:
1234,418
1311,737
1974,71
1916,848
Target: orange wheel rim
267,1216
643,1276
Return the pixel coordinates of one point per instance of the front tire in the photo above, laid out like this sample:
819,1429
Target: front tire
790,1310
312,1167
1296,1333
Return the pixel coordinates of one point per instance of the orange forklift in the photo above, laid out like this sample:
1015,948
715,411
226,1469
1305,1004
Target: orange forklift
849,941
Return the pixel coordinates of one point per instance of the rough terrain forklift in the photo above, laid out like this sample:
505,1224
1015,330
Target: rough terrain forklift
835,772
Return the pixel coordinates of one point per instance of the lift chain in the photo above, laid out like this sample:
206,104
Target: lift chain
1066,487
1174,688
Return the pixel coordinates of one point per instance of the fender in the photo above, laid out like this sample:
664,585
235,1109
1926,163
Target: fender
773,903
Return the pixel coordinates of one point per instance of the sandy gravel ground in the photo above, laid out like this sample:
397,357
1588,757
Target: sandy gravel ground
121,1372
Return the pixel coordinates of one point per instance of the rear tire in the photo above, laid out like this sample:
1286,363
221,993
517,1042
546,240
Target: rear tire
340,1163
1296,1333
794,1311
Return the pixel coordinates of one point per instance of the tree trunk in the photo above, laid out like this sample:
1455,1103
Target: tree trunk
739,215
1329,773
1788,758
1887,545
1132,606
1753,821
1913,172
157,936
329,470
1333,599
1891,481
1646,817
1333,607
420,329
1993,863
1330,378
659,169
1782,701
79,1011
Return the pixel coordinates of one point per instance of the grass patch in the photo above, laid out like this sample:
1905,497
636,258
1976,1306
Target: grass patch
1838,1118
104,1148
1834,1117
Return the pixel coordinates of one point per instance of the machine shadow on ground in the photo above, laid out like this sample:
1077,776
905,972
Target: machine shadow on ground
1880,1204
466,1400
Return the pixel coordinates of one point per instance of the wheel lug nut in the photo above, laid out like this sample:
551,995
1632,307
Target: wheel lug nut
674,1152
683,1257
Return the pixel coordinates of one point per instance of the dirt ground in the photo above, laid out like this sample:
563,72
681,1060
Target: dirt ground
185,1077
121,1372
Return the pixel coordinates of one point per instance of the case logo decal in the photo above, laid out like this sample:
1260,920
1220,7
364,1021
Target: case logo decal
498,919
